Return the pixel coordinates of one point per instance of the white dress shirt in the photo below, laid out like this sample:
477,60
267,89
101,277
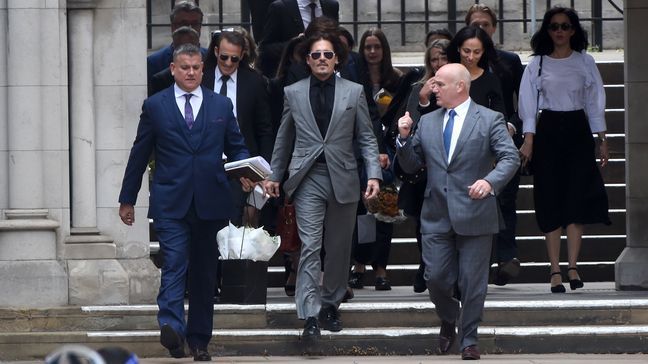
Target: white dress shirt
565,84
231,85
462,111
305,10
195,100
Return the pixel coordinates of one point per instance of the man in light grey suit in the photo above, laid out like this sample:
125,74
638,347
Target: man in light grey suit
325,118
458,144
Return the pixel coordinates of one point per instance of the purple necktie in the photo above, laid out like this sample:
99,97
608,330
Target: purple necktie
189,118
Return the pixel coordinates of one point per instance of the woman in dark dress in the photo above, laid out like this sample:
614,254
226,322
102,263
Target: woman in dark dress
564,83
474,48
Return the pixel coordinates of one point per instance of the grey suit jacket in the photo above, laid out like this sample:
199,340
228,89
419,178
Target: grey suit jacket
483,140
299,141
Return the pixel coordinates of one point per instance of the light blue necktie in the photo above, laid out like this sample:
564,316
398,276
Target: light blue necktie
447,132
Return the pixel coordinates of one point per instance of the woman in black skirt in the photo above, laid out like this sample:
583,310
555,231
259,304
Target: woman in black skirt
563,83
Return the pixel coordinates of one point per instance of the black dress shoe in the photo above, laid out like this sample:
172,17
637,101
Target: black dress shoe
447,336
356,280
470,353
348,295
506,271
170,339
329,318
201,354
311,330
419,280
382,284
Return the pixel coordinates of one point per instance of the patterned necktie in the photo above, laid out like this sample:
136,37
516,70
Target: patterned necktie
447,132
189,118
312,11
223,90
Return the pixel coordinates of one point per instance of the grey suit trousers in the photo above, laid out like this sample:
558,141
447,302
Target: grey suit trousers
464,260
321,218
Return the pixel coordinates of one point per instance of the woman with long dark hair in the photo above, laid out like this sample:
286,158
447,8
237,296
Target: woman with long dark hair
563,83
473,48
381,81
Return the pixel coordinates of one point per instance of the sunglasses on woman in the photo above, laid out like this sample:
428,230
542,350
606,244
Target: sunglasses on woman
555,26
225,57
317,55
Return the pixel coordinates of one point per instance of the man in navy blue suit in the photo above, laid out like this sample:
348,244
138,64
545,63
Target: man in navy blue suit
184,13
189,128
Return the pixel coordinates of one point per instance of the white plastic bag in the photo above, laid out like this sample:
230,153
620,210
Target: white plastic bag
246,243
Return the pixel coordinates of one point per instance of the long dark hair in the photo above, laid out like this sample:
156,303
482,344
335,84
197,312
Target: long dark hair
488,58
541,42
389,78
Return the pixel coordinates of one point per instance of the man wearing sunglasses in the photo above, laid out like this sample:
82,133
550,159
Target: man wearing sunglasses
228,73
325,120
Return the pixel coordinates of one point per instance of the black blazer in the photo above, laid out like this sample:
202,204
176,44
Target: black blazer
283,23
510,76
252,110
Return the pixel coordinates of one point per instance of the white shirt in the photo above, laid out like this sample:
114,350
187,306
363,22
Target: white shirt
305,11
195,100
231,85
565,84
462,111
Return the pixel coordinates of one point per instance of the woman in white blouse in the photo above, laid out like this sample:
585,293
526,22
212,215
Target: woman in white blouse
563,83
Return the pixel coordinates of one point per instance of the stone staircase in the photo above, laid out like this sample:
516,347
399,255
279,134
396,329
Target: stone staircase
518,318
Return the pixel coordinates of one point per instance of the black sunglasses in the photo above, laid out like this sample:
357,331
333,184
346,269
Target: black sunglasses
225,57
555,26
317,55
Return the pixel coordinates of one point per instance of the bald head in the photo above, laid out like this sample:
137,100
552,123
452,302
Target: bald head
452,85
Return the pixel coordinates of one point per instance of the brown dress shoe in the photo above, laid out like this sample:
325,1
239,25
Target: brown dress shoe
470,353
447,336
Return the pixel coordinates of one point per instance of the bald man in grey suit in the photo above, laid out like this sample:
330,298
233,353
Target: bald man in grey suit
458,145
325,119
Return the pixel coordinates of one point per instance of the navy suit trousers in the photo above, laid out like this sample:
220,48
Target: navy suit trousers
188,244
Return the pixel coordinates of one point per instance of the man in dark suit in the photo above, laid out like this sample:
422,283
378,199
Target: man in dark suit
184,13
258,15
458,145
189,127
228,74
164,78
509,73
285,20
325,119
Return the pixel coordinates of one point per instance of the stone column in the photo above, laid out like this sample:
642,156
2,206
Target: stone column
631,268
30,275
95,275
4,148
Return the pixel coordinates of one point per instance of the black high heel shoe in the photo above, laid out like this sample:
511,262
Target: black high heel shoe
574,283
558,288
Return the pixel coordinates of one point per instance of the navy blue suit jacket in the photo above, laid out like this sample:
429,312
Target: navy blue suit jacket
184,171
